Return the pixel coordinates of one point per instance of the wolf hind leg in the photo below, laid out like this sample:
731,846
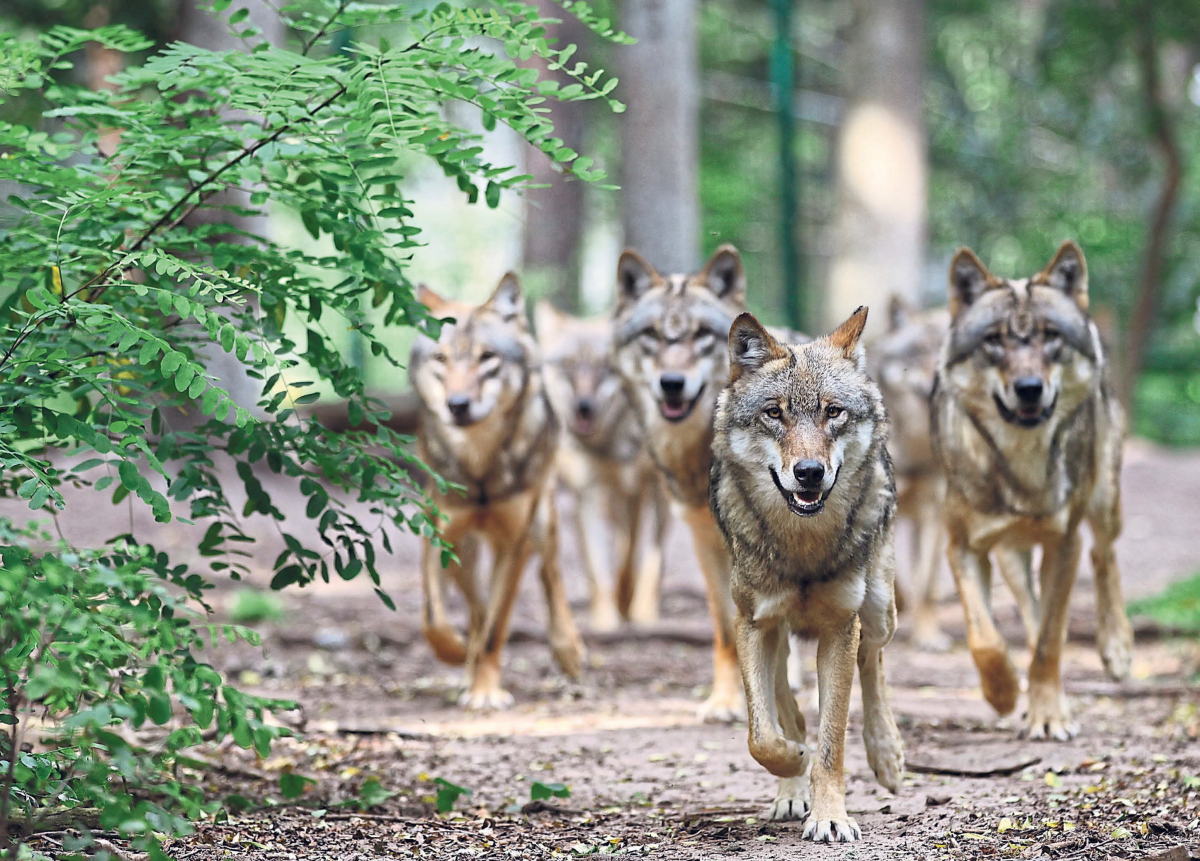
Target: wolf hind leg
877,617
929,535
997,675
565,643
793,797
1016,567
1114,634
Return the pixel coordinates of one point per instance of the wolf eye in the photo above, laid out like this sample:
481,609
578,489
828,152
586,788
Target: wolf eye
486,356
439,357
1050,333
993,339
833,411
773,412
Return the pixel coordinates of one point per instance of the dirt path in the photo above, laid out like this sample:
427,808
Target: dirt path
646,778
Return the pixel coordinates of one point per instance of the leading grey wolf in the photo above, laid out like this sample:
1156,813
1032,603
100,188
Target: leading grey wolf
603,461
803,493
487,425
669,334
1029,434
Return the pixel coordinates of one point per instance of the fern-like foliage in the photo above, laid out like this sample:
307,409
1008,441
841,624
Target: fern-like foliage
121,276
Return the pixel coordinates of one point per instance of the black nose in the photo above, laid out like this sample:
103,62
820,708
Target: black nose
808,472
584,408
459,405
1028,389
672,383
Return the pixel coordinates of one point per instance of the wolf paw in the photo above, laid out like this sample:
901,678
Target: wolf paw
722,708
932,640
486,699
885,754
1115,643
843,830
1048,718
603,615
569,653
446,643
792,799
998,678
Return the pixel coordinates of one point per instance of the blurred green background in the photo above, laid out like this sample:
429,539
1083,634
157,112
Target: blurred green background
1036,121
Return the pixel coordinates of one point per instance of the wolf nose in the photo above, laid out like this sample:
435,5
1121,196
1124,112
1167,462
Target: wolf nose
672,383
808,472
1028,389
584,408
459,405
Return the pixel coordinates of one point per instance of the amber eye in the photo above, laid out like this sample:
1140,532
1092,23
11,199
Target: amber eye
773,412
439,357
833,412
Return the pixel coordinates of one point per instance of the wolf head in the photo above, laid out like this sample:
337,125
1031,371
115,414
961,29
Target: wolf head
807,415
481,362
583,386
903,362
669,333
1024,348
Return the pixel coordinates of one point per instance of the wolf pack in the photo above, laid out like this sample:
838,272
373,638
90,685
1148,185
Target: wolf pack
989,423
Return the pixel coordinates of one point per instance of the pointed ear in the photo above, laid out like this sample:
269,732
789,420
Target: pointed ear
899,312
635,276
507,299
429,299
724,273
1068,272
547,320
845,337
969,279
751,346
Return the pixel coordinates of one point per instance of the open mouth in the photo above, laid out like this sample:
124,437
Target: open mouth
584,425
677,409
804,503
1025,416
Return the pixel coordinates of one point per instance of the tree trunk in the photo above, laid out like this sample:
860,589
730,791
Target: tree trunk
882,176
554,215
1145,311
660,203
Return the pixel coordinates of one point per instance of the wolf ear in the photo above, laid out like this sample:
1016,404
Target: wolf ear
969,279
724,272
900,311
750,346
845,337
429,299
507,299
635,276
1068,272
547,319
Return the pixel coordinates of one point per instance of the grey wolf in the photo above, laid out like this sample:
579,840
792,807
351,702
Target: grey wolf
1029,435
487,425
603,462
803,494
669,334
903,363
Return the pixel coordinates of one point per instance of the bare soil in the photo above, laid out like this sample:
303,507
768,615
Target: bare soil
646,778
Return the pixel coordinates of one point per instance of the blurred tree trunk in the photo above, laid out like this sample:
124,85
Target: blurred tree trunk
1162,132
554,215
879,226
660,202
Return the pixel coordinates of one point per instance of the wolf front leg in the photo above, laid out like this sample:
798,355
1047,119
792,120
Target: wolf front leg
793,797
1049,716
1017,570
647,582
929,535
446,642
565,642
591,518
1114,635
837,647
972,574
726,703
775,749
511,543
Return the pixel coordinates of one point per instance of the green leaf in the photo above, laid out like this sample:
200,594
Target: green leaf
539,791
239,16
292,785
158,708
448,793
